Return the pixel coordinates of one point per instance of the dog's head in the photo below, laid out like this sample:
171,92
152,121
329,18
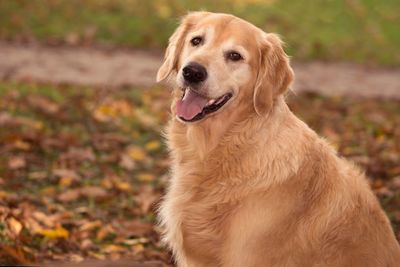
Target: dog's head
220,63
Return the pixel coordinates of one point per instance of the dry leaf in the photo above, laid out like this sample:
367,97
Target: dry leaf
43,104
90,225
16,163
16,253
86,244
146,198
93,191
76,258
127,163
153,145
47,191
112,248
78,154
39,175
32,225
65,181
66,173
122,185
135,241
43,218
20,144
3,194
58,232
15,225
104,232
113,109
136,228
138,248
146,177
69,195
136,153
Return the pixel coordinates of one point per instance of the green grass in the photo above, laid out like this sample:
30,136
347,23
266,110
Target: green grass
364,31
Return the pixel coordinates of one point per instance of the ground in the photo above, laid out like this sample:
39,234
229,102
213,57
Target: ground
82,169
116,68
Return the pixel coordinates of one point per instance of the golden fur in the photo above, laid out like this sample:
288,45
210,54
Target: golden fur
252,185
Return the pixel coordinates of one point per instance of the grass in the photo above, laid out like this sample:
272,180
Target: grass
364,31
81,169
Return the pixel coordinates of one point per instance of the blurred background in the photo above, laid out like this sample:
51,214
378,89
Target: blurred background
82,160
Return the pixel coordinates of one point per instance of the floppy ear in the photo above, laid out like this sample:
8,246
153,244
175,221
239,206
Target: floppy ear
274,75
175,45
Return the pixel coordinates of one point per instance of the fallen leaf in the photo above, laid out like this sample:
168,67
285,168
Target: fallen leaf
112,248
153,145
66,173
3,194
107,182
16,163
76,258
113,109
20,144
69,195
90,225
58,232
138,248
396,182
135,241
127,163
96,255
136,228
39,175
44,104
16,253
93,191
48,190
146,119
32,225
104,232
65,181
136,153
43,218
86,244
78,154
15,226
146,198
123,186
146,177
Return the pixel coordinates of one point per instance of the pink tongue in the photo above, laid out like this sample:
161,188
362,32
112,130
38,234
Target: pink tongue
191,105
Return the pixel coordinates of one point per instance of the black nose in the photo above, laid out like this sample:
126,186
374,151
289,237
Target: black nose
194,73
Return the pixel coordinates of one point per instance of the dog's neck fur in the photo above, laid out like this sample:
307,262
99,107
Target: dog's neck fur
205,136
259,143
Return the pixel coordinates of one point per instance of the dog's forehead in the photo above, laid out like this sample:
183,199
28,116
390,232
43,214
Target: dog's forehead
228,29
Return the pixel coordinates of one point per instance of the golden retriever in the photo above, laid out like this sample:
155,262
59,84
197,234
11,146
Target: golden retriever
251,184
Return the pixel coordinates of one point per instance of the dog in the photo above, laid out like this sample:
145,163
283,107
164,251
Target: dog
252,185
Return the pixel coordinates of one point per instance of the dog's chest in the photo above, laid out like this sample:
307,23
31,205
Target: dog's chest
202,222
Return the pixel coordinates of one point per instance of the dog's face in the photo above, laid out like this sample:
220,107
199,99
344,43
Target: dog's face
219,62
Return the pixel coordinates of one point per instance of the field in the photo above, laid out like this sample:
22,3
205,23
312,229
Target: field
80,168
364,31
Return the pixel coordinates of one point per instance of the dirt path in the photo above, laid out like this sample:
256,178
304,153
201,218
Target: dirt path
99,67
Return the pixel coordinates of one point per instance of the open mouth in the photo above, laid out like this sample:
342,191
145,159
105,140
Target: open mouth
194,106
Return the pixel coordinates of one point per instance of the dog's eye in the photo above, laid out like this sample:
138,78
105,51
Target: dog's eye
234,56
196,41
